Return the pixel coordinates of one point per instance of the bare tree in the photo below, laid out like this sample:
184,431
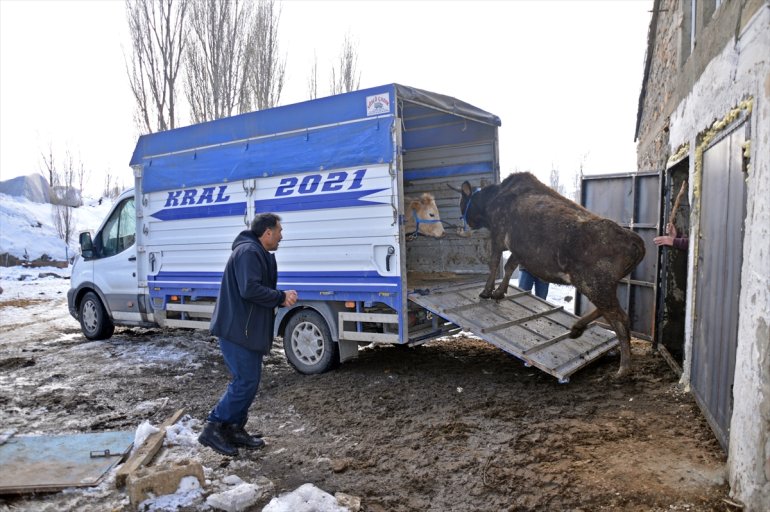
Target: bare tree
346,78
48,163
555,182
158,35
64,198
112,186
312,82
82,173
265,75
217,57
577,182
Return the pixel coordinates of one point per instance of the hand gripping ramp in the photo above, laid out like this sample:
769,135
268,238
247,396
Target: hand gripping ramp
522,324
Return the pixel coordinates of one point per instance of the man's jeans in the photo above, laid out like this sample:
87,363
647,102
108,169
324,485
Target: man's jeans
526,280
246,368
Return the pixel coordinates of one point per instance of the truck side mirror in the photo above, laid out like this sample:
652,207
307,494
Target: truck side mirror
86,245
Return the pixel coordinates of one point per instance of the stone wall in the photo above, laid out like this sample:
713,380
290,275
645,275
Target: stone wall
685,93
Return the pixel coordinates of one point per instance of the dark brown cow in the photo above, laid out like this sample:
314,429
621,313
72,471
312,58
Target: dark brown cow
559,241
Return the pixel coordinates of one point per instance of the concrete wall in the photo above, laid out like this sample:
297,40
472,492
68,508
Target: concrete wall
727,71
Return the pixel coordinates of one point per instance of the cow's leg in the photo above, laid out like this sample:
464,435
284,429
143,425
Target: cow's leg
510,265
619,321
494,263
604,297
580,325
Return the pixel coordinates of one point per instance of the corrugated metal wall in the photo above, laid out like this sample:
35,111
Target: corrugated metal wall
718,277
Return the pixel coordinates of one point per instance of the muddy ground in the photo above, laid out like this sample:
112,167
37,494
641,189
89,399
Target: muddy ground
454,425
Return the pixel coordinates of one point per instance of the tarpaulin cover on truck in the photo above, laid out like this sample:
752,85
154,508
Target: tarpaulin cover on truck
333,132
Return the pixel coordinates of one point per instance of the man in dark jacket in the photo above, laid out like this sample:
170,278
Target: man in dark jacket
243,320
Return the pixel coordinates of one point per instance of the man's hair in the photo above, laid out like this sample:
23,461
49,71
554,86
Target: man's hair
264,221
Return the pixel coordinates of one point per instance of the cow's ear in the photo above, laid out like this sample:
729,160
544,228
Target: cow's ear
466,188
414,204
426,199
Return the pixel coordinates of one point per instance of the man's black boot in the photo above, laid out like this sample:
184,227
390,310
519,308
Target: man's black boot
236,435
214,437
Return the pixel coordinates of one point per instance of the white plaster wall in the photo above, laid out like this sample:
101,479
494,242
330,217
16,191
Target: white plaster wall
742,70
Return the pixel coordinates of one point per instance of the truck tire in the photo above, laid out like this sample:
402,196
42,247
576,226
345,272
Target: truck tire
94,321
308,343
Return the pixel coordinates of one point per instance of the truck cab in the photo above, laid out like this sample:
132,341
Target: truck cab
104,289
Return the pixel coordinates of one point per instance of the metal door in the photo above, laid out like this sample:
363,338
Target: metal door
719,254
631,200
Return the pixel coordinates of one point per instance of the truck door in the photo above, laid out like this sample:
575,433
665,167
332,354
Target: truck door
115,263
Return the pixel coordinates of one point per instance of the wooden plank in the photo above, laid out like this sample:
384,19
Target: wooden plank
458,287
144,454
511,323
586,357
546,344
462,307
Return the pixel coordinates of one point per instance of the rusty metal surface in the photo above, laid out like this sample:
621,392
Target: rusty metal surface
522,324
52,463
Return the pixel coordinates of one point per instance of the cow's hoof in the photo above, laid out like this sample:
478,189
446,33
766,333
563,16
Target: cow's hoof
485,294
623,373
497,295
576,331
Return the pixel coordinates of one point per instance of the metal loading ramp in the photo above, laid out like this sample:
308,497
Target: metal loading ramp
522,324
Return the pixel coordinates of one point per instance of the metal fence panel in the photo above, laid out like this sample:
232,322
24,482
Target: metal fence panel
631,200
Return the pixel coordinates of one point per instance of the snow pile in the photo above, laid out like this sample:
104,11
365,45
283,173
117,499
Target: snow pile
28,228
306,498
182,433
187,494
143,431
33,187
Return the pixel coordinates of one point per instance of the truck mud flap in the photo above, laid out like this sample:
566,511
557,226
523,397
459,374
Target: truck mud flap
521,324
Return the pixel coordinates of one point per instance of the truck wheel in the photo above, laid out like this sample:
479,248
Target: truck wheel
308,343
94,322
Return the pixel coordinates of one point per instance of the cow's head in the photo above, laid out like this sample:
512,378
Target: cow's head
469,211
423,218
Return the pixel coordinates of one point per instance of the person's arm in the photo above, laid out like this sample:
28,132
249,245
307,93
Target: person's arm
249,270
681,243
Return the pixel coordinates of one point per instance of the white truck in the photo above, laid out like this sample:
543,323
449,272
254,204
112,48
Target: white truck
338,171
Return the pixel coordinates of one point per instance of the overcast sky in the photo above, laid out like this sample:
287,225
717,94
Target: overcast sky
564,76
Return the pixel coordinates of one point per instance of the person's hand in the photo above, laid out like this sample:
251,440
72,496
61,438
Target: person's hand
664,240
291,298
671,230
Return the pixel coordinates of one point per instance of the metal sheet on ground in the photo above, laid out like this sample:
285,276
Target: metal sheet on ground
522,324
52,463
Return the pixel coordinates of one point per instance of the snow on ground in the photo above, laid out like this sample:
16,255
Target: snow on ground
26,294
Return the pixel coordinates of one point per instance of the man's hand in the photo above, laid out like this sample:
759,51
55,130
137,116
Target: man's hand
291,298
668,238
